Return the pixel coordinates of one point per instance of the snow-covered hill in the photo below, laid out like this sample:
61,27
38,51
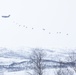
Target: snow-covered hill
15,55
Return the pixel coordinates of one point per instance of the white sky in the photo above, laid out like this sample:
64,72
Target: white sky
53,15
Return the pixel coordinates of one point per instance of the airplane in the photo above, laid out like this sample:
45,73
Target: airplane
6,16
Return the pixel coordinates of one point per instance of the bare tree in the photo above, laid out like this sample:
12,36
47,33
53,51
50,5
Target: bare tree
36,59
64,71
72,60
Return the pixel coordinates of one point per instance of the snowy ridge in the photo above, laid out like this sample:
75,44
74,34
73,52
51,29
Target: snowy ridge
19,60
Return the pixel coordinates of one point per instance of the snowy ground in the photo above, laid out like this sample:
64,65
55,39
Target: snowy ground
46,72
8,57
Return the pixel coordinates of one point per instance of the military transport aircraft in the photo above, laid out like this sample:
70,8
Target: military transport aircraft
6,16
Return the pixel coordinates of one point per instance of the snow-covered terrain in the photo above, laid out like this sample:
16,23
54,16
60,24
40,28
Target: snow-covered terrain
17,62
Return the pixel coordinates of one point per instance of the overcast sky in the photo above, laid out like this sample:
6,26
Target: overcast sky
52,15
